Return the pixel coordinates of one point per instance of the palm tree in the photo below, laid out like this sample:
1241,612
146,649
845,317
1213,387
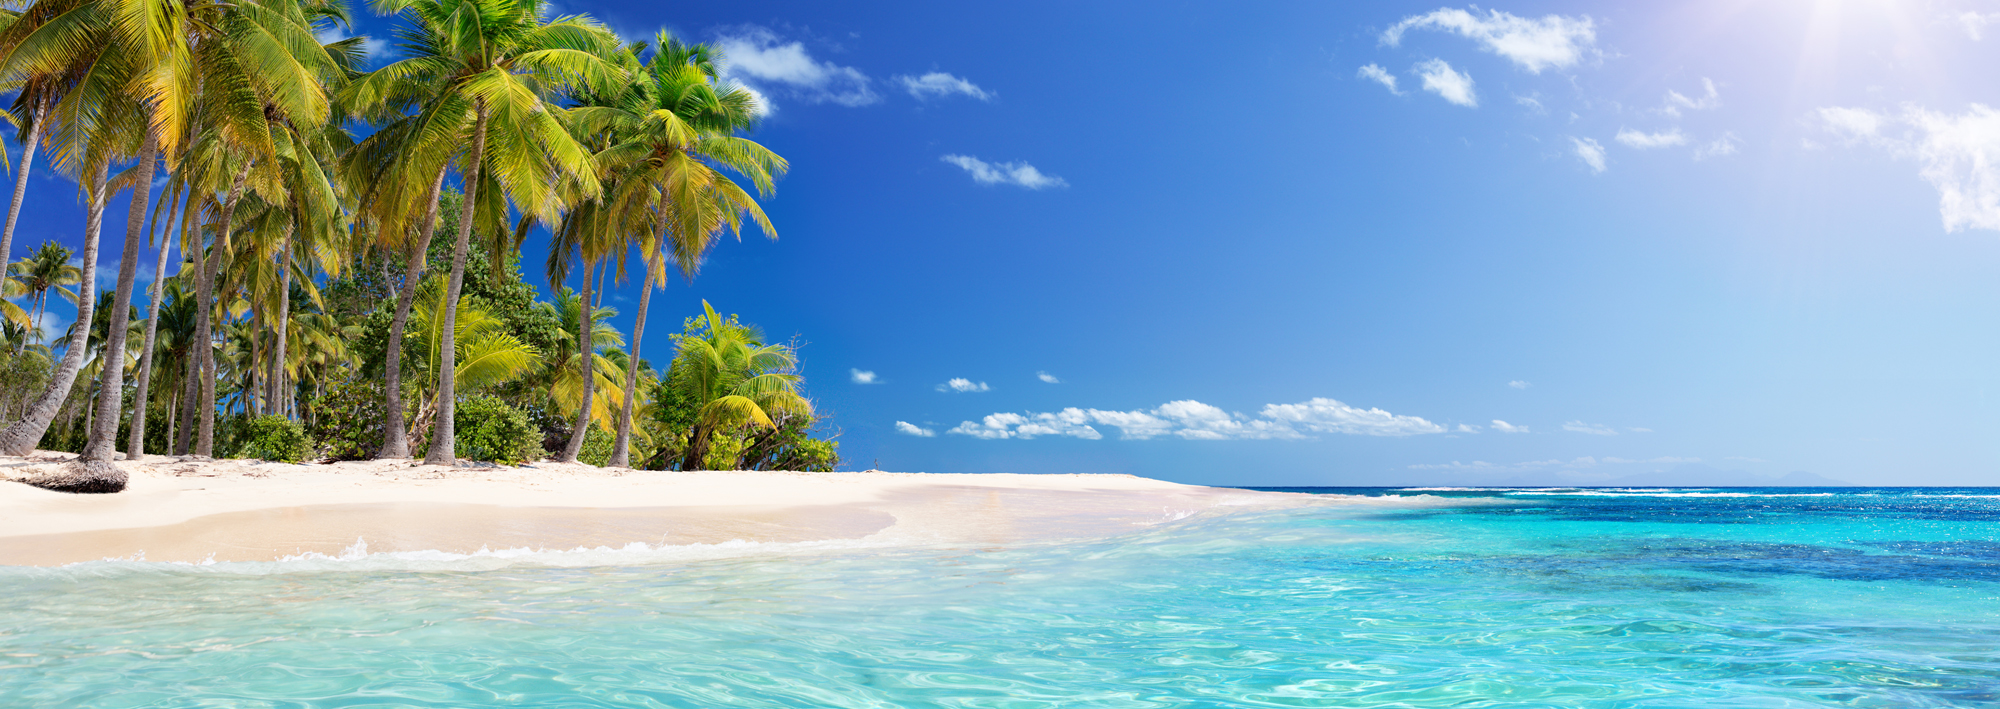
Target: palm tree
135,442
736,379
48,269
487,354
675,127
20,438
493,63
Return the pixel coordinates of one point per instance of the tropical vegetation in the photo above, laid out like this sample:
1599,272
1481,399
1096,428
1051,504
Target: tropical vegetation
348,240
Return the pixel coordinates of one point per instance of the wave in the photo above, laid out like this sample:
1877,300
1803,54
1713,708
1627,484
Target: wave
1672,493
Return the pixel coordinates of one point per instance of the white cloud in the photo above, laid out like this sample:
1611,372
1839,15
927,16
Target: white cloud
1975,23
1440,79
1193,420
1594,429
938,84
756,58
860,377
1532,104
1959,154
1852,122
1647,141
1676,101
910,429
1467,428
1504,427
963,386
1006,173
1591,153
1377,74
1553,41
1518,384
1047,377
1725,145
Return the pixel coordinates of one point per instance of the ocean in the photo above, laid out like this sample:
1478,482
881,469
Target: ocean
1442,597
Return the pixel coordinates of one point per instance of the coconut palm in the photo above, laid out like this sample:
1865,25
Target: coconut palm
493,64
675,131
21,437
48,269
563,378
736,379
487,354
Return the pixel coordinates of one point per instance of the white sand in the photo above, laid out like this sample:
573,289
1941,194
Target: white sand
178,509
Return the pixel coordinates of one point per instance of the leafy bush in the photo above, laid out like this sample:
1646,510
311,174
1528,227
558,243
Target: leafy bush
276,438
810,455
597,444
346,419
486,428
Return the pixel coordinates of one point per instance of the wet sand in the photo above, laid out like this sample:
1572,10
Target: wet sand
191,510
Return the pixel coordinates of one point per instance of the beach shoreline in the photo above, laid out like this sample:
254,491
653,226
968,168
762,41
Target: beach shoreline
185,509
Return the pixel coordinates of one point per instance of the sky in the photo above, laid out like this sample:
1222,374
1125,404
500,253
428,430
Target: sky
1378,243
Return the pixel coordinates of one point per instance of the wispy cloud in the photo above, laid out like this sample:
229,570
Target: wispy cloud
1595,429
1519,384
1467,428
862,377
1047,377
1647,141
910,429
1377,74
1193,420
1005,173
372,49
1504,427
1958,153
1554,41
1675,100
1453,86
963,386
757,58
1720,147
938,84
1591,153
1975,23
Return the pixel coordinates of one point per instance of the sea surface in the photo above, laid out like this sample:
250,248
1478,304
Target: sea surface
1551,597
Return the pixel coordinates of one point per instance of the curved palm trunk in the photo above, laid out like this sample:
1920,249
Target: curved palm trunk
21,182
444,442
621,451
584,356
20,438
103,442
135,442
395,435
204,333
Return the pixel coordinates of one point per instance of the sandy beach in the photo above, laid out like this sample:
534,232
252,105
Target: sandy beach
194,510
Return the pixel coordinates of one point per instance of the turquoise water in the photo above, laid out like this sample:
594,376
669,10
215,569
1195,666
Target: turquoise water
1446,598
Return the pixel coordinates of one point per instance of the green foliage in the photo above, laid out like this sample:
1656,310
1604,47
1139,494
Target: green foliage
346,419
276,438
490,430
597,444
23,374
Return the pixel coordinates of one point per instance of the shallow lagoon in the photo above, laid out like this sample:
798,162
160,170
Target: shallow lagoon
1550,597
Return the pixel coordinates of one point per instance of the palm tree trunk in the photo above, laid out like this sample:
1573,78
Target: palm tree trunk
621,451
21,181
204,336
184,403
103,441
20,438
443,438
135,443
584,356
395,435
173,404
697,448
273,402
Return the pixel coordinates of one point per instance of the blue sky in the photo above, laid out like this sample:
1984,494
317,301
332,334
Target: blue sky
1366,243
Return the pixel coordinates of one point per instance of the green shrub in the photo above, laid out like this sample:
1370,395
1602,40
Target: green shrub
597,444
276,438
486,428
346,419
